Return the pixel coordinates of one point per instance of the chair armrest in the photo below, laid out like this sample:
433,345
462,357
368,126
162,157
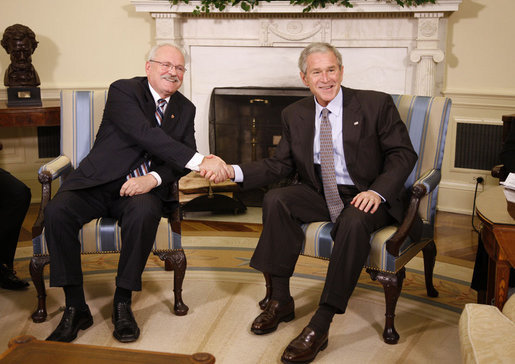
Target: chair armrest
422,187
46,174
55,168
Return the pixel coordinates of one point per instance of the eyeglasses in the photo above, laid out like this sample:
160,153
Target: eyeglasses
168,67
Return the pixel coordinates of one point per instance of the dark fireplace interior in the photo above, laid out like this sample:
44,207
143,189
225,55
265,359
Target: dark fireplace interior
245,125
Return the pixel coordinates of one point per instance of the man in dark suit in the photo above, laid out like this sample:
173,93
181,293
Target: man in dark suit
144,143
14,203
361,159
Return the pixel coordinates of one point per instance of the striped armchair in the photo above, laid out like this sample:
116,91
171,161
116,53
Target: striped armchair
81,114
391,248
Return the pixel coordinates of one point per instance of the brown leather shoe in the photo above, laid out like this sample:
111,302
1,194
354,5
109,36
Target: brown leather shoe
305,347
269,319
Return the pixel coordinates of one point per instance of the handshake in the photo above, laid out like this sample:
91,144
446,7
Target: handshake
214,169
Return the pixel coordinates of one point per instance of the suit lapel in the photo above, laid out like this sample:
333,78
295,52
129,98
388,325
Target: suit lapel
171,118
307,131
352,124
150,106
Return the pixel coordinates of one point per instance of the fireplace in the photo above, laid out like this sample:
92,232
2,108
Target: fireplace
245,122
245,126
385,47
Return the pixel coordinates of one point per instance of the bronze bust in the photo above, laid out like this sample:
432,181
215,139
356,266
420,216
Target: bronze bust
20,42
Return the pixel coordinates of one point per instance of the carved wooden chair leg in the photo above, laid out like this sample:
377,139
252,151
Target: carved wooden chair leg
176,260
429,254
268,295
36,266
392,284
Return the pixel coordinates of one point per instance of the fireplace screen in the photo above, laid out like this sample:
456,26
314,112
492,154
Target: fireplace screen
245,125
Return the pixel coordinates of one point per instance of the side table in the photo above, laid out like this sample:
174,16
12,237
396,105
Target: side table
498,236
29,116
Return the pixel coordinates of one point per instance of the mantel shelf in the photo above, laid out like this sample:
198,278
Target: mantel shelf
284,7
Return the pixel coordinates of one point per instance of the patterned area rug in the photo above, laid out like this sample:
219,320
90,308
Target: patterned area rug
222,292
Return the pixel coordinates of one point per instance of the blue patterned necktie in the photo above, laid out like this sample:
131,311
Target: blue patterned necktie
145,166
332,197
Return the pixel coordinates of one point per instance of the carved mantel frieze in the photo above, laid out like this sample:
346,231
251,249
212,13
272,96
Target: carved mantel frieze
294,30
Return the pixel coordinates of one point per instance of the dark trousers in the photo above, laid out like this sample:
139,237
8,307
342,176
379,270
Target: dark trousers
285,209
138,217
14,203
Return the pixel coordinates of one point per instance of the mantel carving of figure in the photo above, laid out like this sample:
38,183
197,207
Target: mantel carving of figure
20,42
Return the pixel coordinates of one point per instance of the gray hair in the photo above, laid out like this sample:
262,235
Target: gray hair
154,49
317,48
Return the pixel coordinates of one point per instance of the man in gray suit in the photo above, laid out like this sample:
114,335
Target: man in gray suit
144,143
351,171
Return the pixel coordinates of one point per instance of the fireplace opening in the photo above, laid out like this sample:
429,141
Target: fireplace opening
245,126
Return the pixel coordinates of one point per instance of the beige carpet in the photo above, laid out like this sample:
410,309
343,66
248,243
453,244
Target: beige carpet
222,293
222,306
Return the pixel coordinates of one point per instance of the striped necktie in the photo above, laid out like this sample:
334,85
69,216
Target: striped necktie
332,197
145,166
161,106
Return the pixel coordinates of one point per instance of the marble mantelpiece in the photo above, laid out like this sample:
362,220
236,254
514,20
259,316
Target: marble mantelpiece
384,46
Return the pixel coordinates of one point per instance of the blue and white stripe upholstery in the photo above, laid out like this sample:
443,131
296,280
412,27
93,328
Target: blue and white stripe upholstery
81,115
426,119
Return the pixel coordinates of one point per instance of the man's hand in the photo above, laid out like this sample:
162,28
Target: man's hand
138,185
214,169
367,201
230,171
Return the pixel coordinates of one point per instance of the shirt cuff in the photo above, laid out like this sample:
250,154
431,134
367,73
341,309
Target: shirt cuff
383,200
238,173
157,177
195,162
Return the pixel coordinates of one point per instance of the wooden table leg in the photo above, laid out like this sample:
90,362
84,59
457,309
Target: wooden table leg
502,279
490,282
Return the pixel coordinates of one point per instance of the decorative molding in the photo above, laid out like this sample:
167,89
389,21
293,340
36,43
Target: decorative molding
46,94
493,100
427,53
294,31
281,7
55,93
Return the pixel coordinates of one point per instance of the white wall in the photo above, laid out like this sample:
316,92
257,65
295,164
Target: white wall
480,79
82,43
481,48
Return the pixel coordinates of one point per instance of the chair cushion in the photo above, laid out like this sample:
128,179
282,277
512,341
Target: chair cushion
509,308
318,243
103,236
486,335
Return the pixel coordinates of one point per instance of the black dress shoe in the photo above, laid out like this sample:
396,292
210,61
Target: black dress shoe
305,347
272,315
8,279
126,329
72,321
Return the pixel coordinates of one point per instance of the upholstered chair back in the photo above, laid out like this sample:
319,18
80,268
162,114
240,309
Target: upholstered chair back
426,119
81,115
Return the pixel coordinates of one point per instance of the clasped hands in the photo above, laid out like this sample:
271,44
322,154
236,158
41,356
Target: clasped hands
214,169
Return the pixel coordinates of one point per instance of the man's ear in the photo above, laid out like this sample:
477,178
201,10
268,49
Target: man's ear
303,78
